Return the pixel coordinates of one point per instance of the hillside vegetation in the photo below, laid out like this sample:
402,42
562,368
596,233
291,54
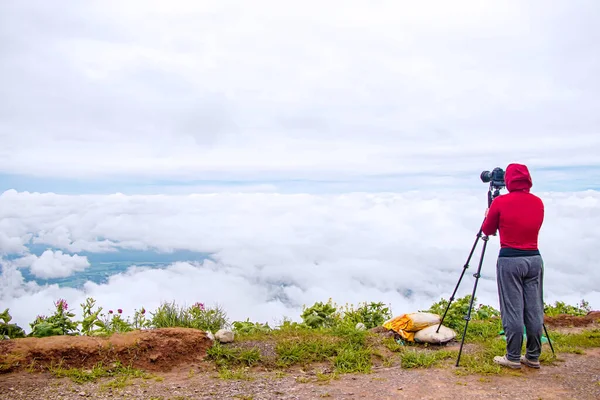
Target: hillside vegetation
329,338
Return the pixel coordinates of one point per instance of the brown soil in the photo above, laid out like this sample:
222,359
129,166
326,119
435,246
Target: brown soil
592,318
154,350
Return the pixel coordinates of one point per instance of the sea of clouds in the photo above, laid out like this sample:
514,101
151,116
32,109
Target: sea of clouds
272,253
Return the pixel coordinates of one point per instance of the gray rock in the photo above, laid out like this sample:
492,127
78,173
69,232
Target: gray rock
224,336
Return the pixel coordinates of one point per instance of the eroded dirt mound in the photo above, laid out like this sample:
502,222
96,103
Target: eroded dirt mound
152,350
592,318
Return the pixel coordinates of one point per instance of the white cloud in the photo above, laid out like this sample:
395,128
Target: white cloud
53,264
11,244
274,252
233,90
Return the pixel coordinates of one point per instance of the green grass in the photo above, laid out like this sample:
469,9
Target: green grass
416,358
353,359
585,339
225,356
121,374
348,350
234,374
481,361
170,315
345,348
305,349
482,331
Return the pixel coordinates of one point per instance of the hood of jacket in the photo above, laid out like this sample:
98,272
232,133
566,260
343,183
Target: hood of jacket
517,178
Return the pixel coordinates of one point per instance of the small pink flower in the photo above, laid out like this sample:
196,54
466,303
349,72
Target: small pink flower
120,311
61,304
110,311
200,306
143,311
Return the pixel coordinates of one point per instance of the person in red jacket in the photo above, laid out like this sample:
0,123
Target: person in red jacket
518,216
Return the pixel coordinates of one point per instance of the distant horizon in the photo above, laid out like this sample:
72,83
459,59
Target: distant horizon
560,179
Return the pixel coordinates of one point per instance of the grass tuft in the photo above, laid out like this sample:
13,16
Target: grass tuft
567,342
414,358
121,374
235,374
305,349
225,356
353,359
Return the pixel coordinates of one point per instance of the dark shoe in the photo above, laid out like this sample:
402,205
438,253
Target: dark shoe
529,363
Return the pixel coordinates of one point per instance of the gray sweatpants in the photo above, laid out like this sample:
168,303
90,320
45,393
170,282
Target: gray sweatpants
520,281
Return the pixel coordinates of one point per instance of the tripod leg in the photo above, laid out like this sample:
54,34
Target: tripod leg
459,279
544,325
468,316
548,337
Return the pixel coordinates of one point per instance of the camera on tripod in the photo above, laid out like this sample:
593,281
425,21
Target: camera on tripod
495,178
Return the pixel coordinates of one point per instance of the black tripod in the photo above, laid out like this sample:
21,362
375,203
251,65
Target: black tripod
480,235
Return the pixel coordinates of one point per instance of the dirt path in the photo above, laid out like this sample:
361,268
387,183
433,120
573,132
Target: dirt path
574,377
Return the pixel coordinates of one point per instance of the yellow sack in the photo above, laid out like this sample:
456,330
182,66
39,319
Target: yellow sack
407,324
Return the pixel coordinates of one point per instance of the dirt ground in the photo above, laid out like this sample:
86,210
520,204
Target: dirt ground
574,377
174,357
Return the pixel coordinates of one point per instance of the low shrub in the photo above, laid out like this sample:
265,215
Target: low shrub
560,307
170,315
455,317
10,331
59,323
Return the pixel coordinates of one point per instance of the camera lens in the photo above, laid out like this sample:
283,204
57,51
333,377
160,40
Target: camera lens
486,176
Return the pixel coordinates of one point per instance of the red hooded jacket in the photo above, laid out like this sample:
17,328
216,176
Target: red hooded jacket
518,215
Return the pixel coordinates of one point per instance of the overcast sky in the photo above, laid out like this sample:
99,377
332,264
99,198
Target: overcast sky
179,92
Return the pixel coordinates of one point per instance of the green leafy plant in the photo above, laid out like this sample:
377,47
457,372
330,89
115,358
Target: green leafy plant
59,323
247,327
320,315
92,325
209,319
115,323
139,319
7,330
455,318
371,314
560,307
